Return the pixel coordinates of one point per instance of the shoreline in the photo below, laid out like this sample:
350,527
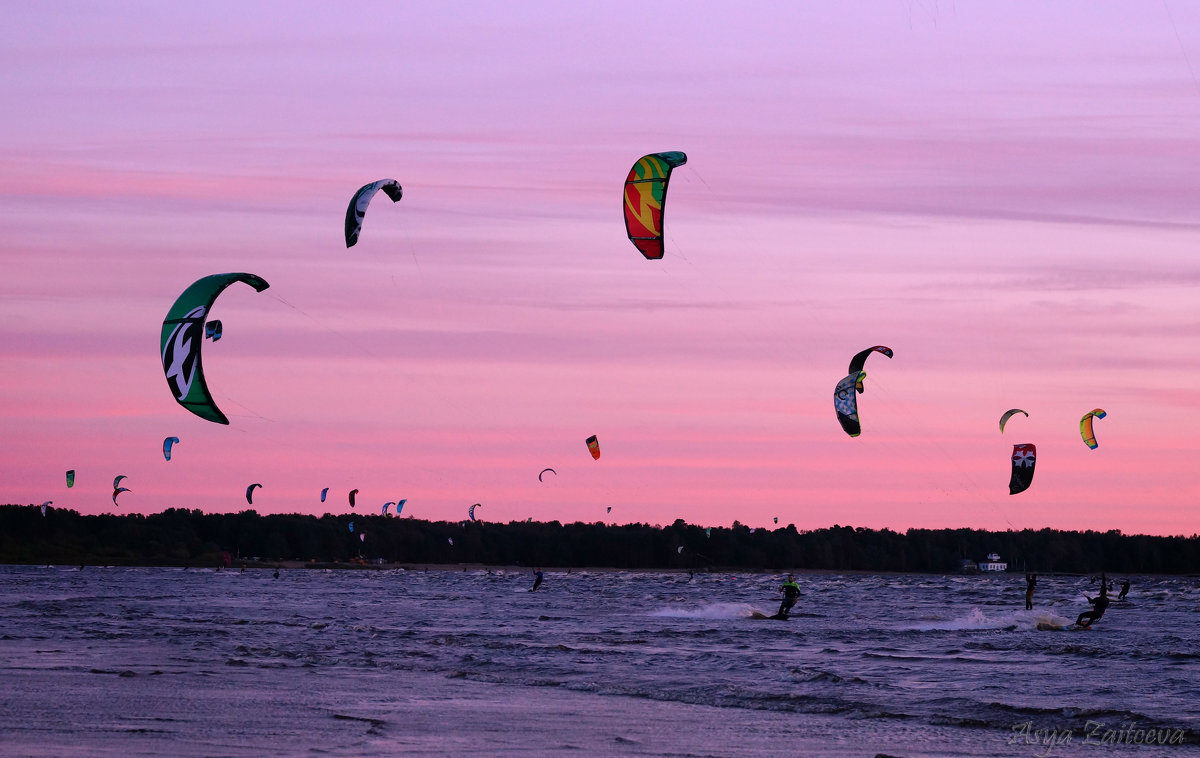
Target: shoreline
260,565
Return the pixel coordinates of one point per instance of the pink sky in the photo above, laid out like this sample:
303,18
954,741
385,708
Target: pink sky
1006,194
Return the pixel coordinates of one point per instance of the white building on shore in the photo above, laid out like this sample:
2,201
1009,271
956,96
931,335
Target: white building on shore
993,563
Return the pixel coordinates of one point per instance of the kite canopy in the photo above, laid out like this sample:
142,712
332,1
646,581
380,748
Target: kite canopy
44,506
118,491
182,336
1023,459
117,480
845,402
645,199
168,443
385,507
856,363
358,205
71,478
1009,414
353,494
1085,427
471,511
552,471
250,492
594,446
400,506
324,492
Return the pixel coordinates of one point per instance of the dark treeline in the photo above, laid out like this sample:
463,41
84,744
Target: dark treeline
182,537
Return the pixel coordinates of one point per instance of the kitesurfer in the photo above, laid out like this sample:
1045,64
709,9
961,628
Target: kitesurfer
1099,605
537,579
791,592
1124,589
1030,583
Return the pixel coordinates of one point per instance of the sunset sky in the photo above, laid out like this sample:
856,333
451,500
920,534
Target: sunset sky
1008,195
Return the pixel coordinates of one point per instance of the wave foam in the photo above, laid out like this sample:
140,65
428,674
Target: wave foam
711,611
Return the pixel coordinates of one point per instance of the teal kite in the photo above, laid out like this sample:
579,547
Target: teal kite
182,337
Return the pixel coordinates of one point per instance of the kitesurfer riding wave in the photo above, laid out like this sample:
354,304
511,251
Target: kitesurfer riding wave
1099,605
791,591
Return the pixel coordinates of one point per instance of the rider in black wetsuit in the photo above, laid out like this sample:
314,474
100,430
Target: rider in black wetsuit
1030,583
791,591
1099,605
1124,589
537,581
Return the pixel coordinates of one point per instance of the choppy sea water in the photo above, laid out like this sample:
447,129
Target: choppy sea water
162,661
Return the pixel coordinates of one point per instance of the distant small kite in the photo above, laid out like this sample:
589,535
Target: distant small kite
1085,427
361,199
1023,459
1009,414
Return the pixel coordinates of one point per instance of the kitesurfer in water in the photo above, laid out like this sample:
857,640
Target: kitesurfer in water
537,579
1030,583
791,591
1099,605
1124,589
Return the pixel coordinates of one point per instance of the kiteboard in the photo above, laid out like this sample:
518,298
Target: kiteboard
1046,626
776,617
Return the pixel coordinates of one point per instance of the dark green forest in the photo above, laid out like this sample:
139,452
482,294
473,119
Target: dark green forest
183,537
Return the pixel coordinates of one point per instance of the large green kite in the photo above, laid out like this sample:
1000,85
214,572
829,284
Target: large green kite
182,336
